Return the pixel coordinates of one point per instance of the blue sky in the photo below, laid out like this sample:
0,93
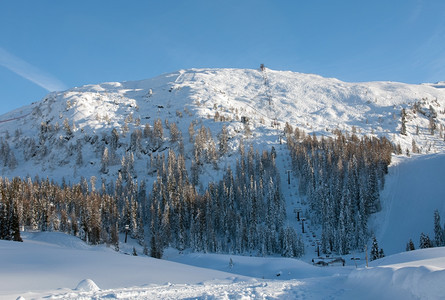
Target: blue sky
49,45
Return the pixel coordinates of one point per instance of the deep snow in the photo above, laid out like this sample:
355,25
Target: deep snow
58,266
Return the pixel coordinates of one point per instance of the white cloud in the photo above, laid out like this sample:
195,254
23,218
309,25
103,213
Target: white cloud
30,72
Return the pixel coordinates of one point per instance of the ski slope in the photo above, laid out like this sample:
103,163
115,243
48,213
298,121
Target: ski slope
414,189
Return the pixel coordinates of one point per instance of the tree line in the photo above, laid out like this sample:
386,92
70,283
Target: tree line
425,241
242,213
340,178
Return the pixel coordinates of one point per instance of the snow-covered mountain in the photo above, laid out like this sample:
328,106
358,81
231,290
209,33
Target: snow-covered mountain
95,130
46,137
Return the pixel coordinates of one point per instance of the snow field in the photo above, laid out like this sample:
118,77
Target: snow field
55,266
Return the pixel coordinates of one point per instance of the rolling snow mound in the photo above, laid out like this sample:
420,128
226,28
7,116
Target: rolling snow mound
87,285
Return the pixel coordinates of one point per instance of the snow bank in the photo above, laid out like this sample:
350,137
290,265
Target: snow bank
420,282
419,274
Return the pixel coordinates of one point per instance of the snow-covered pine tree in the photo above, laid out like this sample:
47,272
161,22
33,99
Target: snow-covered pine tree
403,128
104,163
135,141
79,156
374,249
175,133
439,235
114,141
381,253
158,135
12,161
67,128
410,246
425,241
223,139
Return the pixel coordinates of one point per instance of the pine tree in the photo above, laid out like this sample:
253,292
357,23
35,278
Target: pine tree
432,125
79,157
223,139
67,127
410,245
12,161
403,129
191,132
147,131
425,241
135,141
175,134
381,253
145,251
114,142
115,236
5,152
439,236
414,149
158,135
104,163
374,249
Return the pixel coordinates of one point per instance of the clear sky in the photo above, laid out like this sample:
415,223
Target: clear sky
50,45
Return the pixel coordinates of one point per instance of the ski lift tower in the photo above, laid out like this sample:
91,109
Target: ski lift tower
297,212
127,228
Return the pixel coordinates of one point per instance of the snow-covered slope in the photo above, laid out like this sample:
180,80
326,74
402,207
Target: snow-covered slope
416,274
47,261
414,189
58,266
267,99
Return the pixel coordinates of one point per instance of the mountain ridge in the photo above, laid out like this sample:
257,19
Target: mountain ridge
257,101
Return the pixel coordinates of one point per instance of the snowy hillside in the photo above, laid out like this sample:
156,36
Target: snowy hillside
236,178
47,136
414,190
58,266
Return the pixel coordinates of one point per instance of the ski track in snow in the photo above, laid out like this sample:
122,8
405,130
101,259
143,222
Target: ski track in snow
208,290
